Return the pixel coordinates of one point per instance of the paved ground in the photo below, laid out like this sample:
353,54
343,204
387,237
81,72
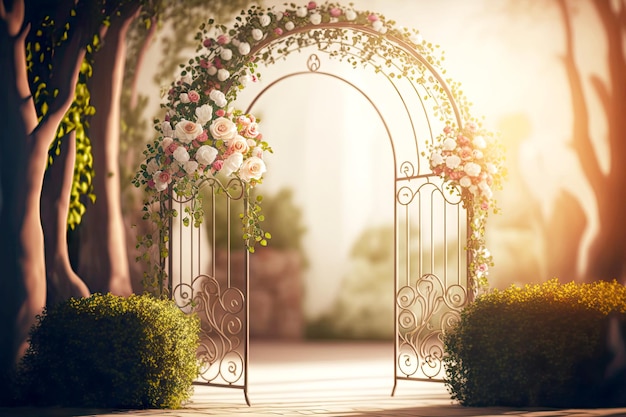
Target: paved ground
321,379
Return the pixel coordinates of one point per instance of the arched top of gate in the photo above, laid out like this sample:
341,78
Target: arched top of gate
231,57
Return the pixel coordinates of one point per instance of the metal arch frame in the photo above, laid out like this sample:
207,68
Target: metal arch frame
406,168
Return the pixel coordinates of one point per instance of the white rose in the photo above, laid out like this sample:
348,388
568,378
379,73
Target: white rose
265,20
453,161
278,16
222,74
316,18
212,70
258,152
161,180
244,48
350,15
382,30
184,98
152,166
479,142
186,79
465,182
232,164
166,142
289,25
190,167
204,114
218,98
485,189
223,129
181,154
449,144
416,38
206,154
377,24
235,42
257,34
472,169
301,11
226,54
436,159
252,168
473,189
476,154
244,79
491,168
186,131
166,128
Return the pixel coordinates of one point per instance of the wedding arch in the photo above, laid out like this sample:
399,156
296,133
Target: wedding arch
208,154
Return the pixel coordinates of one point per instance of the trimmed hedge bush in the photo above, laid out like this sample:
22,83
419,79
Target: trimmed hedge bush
107,351
541,345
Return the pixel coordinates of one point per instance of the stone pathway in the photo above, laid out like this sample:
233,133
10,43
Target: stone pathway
321,379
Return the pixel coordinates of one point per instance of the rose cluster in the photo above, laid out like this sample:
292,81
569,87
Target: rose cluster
462,157
230,143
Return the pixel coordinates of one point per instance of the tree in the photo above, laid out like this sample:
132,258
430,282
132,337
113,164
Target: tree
28,133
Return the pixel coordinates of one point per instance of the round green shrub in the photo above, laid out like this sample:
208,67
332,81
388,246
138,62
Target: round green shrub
541,345
107,351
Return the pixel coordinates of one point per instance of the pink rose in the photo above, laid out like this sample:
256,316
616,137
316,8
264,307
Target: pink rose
462,140
220,112
202,137
205,63
278,31
217,165
207,43
151,183
372,17
472,127
250,131
223,39
312,5
223,129
447,129
466,153
335,12
171,148
193,96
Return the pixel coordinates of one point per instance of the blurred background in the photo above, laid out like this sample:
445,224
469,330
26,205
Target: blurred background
546,75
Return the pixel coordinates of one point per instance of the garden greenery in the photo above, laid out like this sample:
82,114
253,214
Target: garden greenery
540,345
107,351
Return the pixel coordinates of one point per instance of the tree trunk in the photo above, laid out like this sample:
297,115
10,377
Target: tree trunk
61,281
103,259
25,141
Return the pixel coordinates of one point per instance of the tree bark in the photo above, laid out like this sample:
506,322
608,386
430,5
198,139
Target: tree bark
61,280
25,141
103,259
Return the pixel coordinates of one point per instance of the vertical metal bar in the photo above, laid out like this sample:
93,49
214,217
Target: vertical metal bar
170,247
395,287
246,351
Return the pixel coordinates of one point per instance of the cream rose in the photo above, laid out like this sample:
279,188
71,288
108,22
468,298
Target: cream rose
206,154
232,164
316,18
265,20
218,98
181,155
350,15
223,129
222,74
416,38
479,142
453,161
166,142
161,180
204,114
244,48
289,25
184,98
465,182
252,168
166,128
190,167
186,131
436,159
226,54
238,144
301,11
152,166
472,169
257,34
449,144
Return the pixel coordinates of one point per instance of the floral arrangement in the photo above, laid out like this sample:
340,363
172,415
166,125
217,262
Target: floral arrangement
201,135
471,162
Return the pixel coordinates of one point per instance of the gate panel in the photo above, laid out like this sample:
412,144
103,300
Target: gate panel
210,279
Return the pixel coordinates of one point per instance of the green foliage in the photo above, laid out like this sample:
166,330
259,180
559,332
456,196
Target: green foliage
108,351
541,345
282,217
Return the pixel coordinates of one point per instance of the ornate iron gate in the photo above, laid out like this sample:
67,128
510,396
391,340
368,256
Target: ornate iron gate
430,225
